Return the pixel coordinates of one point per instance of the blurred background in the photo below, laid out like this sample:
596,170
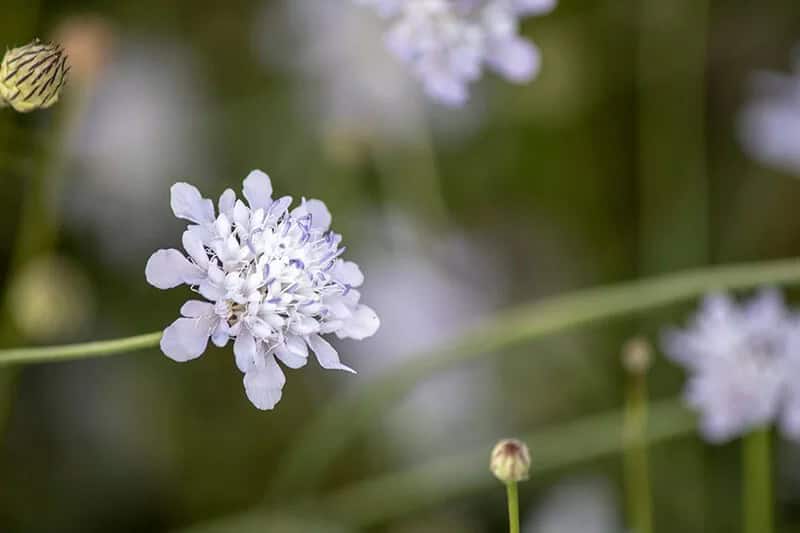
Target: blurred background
659,135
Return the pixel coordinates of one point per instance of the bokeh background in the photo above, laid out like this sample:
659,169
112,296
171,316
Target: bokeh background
627,157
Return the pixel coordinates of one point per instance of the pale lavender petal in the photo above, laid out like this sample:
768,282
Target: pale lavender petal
348,273
320,216
186,338
169,268
244,348
363,323
263,384
326,355
516,59
187,203
258,190
197,309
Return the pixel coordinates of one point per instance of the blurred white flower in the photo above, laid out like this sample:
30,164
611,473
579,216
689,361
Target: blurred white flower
740,358
425,294
577,505
141,128
447,43
274,280
770,122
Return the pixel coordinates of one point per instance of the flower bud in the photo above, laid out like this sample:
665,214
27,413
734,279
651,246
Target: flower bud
510,461
637,355
32,76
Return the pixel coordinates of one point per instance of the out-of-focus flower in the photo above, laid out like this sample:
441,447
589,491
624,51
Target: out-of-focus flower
585,505
510,461
50,297
274,280
740,358
87,40
426,292
356,92
32,76
141,126
447,43
769,125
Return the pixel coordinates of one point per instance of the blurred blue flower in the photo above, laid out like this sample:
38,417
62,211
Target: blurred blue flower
273,279
741,360
447,43
770,122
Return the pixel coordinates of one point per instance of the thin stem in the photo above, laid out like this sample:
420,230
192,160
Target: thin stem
757,484
513,507
637,476
84,350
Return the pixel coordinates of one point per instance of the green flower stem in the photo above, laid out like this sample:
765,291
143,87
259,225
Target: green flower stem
637,476
430,485
513,507
317,445
84,350
757,483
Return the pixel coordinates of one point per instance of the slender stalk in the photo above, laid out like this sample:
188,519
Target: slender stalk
636,465
757,483
84,350
513,507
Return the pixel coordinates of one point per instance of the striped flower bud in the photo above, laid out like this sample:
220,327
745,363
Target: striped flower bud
32,76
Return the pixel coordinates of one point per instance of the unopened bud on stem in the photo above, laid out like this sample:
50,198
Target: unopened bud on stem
32,76
637,355
510,461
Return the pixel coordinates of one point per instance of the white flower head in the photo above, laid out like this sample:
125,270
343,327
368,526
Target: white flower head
273,281
740,357
447,43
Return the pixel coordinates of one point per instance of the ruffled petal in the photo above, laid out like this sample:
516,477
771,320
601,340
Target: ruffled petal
263,384
258,190
194,247
169,268
290,358
226,202
515,58
320,216
186,338
363,323
187,203
197,309
348,273
244,348
326,355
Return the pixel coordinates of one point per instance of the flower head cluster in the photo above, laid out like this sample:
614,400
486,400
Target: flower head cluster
447,43
273,279
742,359
32,76
770,122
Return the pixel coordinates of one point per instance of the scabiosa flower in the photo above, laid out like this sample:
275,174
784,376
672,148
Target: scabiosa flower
740,358
769,125
448,42
273,280
32,76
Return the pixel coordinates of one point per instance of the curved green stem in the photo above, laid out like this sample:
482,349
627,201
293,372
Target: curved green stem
319,442
79,351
